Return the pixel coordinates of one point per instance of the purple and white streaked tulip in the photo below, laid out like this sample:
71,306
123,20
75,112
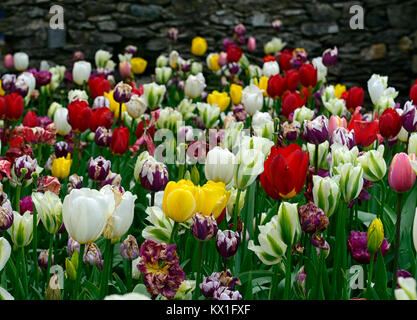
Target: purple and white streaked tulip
290,131
312,218
224,293
239,29
330,57
343,137
72,245
103,136
21,87
23,167
316,131
75,182
98,168
61,149
321,245
100,102
129,249
130,49
276,24
227,243
409,117
122,92
154,175
7,82
173,34
43,259
6,214
204,228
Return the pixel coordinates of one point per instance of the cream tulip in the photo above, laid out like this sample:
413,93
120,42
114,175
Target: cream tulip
49,207
21,61
5,250
61,121
220,165
21,231
81,72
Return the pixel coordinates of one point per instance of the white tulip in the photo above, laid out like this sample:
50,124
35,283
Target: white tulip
407,290
162,61
209,114
289,223
5,250
21,61
120,220
4,295
273,46
29,79
250,164
303,113
85,212
101,58
81,72
220,165
153,94
21,230
136,106
160,227
128,296
61,121
270,68
49,207
252,99
260,118
74,95
321,69
194,85
162,75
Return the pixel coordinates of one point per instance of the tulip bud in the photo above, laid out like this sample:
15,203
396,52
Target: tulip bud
98,168
162,75
154,175
53,292
270,68
343,137
351,181
290,131
322,246
209,114
49,207
129,249
301,279
330,57
103,137
8,61
203,227
375,235
72,246
289,223
122,92
71,266
316,131
312,218
21,61
227,243
21,231
81,72
61,167
373,164
401,176
43,259
251,44
326,193
92,255
252,99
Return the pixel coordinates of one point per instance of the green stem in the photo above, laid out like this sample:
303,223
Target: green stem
274,282
108,251
16,280
119,121
198,280
397,242
288,274
128,274
316,160
236,209
18,193
51,242
174,232
371,269
24,270
79,271
35,247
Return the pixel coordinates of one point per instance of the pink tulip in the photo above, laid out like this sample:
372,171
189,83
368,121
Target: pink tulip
8,61
401,176
222,58
124,69
336,122
251,44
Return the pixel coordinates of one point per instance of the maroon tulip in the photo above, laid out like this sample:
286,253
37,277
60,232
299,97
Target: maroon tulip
308,75
119,141
276,86
390,123
354,98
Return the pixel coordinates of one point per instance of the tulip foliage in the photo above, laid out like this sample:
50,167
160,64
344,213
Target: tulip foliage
221,180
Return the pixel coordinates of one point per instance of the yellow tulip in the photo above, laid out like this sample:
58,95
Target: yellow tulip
213,62
262,84
375,235
114,105
138,65
236,93
221,99
213,198
338,90
181,200
198,46
61,167
2,93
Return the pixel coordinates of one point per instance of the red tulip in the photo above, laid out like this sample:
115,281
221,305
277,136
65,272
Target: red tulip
356,116
2,107
308,75
284,59
401,176
285,172
276,86
14,106
30,119
140,130
268,58
79,114
390,123
234,53
119,141
413,94
365,132
98,86
354,98
101,117
292,80
290,102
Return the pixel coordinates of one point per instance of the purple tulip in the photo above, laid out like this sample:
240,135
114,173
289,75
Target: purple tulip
312,218
203,227
316,131
330,57
154,175
357,245
227,243
409,117
343,137
98,168
129,249
103,137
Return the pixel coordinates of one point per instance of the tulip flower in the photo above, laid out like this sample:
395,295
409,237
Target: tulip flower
194,85
308,75
252,99
61,122
49,207
375,235
120,218
249,166
409,117
289,223
203,227
236,93
101,117
251,44
61,167
234,53
343,137
365,132
220,165
390,123
6,213
212,61
227,243
290,102
138,65
154,175
129,249
198,46
8,61
85,212
79,114
292,80
407,290
351,181
326,193
209,114
401,176
160,227
181,200
5,250
276,86
354,98
30,119
373,164
270,68
323,150
340,154
412,144
81,72
330,57
213,198
285,171
119,141
21,231
14,106
21,61
98,85
316,131
413,94
221,100
274,46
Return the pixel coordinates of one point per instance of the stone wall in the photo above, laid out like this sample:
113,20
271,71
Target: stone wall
387,45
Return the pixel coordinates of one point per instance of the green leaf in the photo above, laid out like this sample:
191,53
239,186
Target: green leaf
381,277
141,288
120,283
